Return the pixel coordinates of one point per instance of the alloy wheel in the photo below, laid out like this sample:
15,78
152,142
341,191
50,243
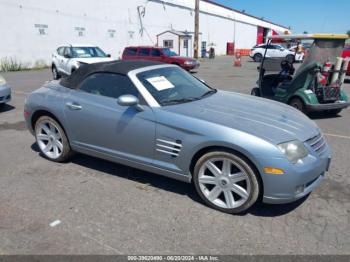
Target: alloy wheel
49,139
224,183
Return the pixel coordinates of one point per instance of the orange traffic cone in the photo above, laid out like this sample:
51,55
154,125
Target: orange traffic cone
237,61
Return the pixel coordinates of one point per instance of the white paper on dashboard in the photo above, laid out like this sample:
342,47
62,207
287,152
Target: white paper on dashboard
160,83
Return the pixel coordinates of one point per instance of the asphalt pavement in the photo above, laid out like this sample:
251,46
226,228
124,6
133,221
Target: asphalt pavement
91,206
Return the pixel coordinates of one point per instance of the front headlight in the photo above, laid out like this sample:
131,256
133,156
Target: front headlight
293,150
189,62
2,81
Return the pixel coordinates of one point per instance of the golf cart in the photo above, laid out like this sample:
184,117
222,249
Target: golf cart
316,84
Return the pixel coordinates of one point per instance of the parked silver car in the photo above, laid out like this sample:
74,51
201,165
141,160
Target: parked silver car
5,91
160,118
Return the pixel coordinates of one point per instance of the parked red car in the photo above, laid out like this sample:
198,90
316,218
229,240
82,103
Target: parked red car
160,54
346,53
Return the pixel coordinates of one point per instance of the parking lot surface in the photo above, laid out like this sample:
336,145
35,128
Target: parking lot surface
91,206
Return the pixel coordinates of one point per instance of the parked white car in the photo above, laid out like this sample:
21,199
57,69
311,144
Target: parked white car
272,50
67,59
5,91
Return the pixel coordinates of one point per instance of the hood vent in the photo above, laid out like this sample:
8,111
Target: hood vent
172,148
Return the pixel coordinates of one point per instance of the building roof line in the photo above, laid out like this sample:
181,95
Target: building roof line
243,13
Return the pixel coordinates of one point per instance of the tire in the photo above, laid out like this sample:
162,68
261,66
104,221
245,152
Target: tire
290,58
52,140
297,103
255,91
257,57
55,74
221,192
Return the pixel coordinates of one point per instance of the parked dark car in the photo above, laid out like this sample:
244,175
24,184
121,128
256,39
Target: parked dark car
159,54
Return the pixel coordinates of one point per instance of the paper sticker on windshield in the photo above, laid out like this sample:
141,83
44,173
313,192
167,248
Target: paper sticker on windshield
160,83
80,51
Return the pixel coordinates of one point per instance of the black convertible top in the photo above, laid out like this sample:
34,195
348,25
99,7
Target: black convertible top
117,67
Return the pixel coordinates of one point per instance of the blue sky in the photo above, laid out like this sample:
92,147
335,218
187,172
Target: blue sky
313,16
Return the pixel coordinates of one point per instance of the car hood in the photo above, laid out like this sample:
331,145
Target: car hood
267,119
93,60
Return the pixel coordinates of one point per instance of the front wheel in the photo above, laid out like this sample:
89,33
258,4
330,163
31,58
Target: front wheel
255,91
52,140
297,104
257,57
226,182
55,74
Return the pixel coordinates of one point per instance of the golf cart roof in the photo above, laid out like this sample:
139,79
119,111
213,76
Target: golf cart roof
310,36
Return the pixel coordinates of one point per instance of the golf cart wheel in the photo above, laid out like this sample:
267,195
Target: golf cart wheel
255,91
257,57
290,58
226,181
297,104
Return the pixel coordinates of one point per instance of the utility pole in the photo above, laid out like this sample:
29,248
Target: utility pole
196,30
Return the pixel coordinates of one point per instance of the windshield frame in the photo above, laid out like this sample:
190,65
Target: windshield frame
97,50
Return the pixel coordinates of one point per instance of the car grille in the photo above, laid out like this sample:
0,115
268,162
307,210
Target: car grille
318,144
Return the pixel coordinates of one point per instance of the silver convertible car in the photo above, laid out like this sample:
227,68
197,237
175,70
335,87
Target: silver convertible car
235,148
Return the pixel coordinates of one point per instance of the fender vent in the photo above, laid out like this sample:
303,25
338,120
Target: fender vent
172,148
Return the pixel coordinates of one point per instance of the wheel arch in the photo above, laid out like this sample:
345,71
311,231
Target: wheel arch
199,153
44,112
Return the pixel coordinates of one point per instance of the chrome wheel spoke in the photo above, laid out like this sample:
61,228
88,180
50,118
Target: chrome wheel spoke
230,202
46,129
237,177
48,147
43,137
214,193
208,180
213,168
226,167
59,145
240,191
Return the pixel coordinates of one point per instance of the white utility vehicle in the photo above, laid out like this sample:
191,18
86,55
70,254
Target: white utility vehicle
66,59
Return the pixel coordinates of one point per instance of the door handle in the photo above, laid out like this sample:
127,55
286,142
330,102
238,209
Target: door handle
74,106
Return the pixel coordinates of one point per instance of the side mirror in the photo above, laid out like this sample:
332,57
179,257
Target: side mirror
67,56
129,100
108,55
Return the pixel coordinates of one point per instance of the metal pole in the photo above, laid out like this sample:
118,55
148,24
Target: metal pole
196,30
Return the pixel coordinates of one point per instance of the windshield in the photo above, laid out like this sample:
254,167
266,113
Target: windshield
323,50
87,52
168,52
172,85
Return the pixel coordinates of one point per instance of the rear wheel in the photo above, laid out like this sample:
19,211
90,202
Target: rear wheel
226,182
55,74
297,104
52,140
257,57
255,91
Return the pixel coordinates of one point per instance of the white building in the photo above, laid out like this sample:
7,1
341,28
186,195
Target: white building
31,29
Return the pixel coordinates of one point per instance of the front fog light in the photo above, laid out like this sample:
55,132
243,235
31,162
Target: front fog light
299,189
293,150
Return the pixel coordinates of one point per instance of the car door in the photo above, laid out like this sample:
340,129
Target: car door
97,123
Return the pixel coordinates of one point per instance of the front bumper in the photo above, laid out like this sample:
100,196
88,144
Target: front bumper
191,67
299,179
329,106
5,94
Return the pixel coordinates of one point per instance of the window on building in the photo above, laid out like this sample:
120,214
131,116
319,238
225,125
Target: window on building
155,52
80,31
144,51
168,43
109,85
111,33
